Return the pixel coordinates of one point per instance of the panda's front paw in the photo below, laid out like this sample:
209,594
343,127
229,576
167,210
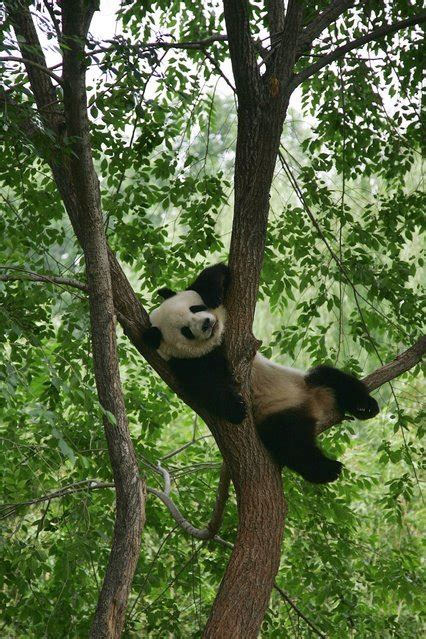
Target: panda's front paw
212,299
235,410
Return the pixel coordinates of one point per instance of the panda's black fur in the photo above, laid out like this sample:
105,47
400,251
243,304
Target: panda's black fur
288,404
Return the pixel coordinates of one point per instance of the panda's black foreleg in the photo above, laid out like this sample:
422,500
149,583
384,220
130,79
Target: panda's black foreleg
210,382
290,438
211,285
351,394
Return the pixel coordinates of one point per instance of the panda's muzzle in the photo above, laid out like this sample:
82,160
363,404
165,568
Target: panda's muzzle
208,324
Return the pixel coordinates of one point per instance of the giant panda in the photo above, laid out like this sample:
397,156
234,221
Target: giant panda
288,404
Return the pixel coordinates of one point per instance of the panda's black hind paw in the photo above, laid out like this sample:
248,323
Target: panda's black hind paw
323,471
365,408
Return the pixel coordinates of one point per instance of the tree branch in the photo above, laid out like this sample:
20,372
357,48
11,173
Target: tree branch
27,61
321,22
35,63
34,277
401,364
281,64
276,15
221,498
291,603
242,50
193,44
355,44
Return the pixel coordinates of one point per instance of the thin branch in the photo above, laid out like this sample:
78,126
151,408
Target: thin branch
321,22
55,21
219,70
336,258
291,603
210,532
401,364
33,277
27,61
70,489
355,44
192,44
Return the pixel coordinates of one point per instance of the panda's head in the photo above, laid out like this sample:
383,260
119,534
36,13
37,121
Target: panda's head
183,327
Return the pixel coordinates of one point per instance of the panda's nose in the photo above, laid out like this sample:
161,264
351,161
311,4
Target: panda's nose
206,324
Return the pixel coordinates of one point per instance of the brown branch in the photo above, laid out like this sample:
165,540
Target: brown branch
27,61
240,603
323,20
34,277
282,62
221,498
401,364
355,44
243,52
193,44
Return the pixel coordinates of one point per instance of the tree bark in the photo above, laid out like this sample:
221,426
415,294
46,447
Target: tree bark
241,601
130,490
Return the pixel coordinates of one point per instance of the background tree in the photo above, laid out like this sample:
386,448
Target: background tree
341,265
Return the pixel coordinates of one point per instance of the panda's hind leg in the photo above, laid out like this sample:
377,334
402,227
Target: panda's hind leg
351,394
290,438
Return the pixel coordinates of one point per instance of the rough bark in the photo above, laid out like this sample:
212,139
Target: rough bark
130,491
241,601
78,185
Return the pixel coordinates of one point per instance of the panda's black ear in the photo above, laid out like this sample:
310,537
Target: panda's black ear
165,293
152,337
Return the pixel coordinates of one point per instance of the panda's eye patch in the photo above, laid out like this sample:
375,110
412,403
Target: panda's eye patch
186,332
198,309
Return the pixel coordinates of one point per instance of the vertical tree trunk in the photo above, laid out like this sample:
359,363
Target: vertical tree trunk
130,493
244,593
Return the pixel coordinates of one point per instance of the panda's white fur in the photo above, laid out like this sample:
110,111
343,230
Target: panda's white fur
275,388
174,313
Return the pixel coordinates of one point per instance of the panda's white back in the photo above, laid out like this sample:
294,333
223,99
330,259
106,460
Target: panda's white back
275,387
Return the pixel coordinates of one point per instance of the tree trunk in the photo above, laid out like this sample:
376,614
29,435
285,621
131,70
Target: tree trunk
130,492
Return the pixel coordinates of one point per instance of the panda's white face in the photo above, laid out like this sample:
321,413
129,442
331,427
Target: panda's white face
188,328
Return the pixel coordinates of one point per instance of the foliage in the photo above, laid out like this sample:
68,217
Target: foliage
163,136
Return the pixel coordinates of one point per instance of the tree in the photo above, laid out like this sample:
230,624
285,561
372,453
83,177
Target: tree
324,48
